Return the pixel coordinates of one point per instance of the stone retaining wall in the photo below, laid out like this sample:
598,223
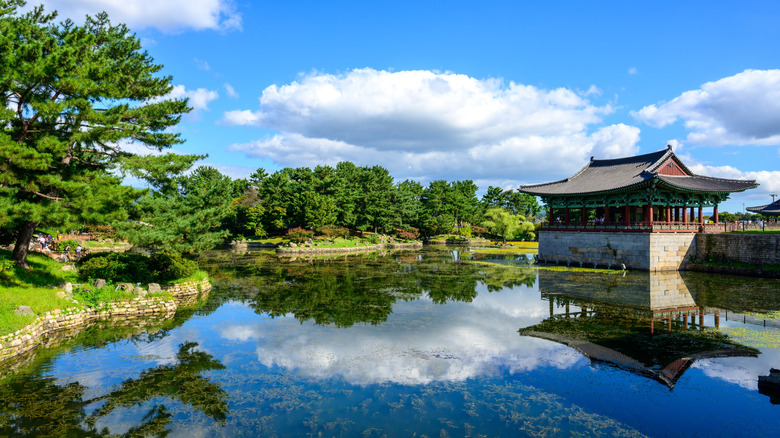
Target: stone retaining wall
187,288
733,270
346,250
645,251
29,337
754,249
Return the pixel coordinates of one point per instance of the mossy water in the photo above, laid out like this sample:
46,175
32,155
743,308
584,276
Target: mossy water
417,343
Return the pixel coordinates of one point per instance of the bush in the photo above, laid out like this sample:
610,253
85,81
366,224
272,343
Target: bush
116,267
60,246
478,231
331,232
168,266
299,235
371,238
135,268
406,235
465,231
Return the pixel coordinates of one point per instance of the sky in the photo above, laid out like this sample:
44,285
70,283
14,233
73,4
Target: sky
501,93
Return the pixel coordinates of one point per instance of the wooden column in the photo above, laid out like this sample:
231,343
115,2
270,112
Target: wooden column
650,213
701,214
606,214
550,218
566,216
668,214
693,216
583,215
627,216
685,214
715,213
677,214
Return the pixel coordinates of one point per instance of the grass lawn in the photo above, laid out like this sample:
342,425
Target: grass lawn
37,288
33,288
279,240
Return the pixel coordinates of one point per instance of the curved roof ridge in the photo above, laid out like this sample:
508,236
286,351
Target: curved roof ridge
653,158
713,178
627,173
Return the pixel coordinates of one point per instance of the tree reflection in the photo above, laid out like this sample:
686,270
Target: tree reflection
42,407
344,291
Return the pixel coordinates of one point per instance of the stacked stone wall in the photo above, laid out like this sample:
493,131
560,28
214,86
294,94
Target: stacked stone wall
45,325
753,249
645,251
671,251
187,288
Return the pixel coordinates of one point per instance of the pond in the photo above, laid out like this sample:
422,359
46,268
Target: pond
437,342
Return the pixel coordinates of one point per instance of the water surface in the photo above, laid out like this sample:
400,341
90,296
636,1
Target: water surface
438,342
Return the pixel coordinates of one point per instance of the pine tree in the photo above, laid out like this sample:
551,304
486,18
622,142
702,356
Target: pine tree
69,97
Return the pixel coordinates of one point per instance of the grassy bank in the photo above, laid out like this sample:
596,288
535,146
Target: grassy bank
38,287
34,288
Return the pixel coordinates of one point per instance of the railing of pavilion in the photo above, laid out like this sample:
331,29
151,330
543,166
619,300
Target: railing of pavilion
612,226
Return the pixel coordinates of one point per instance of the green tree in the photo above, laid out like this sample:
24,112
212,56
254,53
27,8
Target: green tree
374,208
407,204
319,210
501,222
69,96
183,218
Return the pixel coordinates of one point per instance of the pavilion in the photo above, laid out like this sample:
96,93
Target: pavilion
653,192
772,209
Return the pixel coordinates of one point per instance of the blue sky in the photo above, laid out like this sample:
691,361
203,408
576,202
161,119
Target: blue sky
503,93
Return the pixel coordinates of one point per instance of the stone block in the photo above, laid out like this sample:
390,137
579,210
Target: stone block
154,287
24,310
99,283
67,287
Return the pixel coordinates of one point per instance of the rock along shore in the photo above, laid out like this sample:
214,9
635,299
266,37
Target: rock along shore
347,250
27,338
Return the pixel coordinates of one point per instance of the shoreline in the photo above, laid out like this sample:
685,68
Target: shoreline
348,249
34,334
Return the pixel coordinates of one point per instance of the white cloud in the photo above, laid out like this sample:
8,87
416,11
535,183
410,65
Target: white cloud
442,125
167,15
738,110
202,64
231,91
632,70
199,98
769,180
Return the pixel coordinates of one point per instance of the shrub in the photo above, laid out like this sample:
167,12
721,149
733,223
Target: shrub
371,238
299,235
115,266
60,246
478,231
465,231
406,235
331,232
135,268
168,266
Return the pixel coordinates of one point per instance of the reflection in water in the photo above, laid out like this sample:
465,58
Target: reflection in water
339,291
415,343
618,317
46,407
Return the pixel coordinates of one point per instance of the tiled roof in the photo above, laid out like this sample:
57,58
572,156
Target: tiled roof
623,173
773,208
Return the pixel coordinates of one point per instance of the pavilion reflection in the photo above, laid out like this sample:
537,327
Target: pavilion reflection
648,323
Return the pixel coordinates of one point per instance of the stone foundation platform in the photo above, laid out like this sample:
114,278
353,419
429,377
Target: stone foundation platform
643,251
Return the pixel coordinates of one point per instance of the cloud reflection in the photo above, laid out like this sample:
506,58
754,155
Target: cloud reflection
420,343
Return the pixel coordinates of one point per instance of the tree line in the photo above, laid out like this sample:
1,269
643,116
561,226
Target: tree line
72,95
196,211
364,198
